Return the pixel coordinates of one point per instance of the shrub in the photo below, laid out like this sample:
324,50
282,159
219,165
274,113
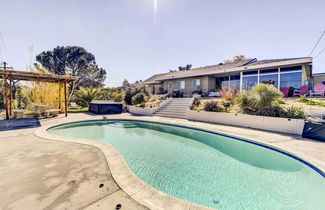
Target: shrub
247,101
267,95
263,97
309,102
303,99
295,112
277,111
213,106
134,90
118,97
139,98
196,103
128,96
85,95
228,95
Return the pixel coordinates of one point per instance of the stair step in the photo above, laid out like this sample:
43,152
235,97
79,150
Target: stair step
171,115
166,112
172,110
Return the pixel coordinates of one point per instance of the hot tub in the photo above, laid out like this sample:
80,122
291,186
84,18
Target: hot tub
105,107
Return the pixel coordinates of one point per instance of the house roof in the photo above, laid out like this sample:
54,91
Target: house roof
223,68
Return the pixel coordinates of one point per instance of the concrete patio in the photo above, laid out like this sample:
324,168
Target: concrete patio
39,173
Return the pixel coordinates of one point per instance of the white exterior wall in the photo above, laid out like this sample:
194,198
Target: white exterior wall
284,125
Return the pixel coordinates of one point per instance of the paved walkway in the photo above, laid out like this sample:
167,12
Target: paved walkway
44,174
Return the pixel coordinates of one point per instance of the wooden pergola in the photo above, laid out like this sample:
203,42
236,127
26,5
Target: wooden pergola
12,75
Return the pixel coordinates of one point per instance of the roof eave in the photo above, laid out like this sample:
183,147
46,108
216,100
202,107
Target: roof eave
247,68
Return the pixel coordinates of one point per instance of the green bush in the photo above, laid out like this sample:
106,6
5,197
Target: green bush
277,111
118,97
247,101
262,96
85,95
213,106
128,96
139,98
295,112
266,95
310,102
133,91
303,99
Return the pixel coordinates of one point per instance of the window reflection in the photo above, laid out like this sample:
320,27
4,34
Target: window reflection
291,80
269,79
249,82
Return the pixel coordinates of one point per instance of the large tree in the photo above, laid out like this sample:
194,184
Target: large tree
75,61
237,58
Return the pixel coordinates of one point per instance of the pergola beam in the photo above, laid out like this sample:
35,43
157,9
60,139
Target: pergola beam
12,75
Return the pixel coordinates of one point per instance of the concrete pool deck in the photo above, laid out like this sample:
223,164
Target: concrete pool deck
39,173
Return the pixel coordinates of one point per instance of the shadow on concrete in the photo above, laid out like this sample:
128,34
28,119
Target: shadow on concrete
13,124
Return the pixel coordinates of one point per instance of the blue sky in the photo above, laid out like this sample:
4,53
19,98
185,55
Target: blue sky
129,42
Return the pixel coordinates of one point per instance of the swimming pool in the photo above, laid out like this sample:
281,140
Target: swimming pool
206,168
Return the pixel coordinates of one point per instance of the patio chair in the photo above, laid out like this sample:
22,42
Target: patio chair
302,91
285,91
319,90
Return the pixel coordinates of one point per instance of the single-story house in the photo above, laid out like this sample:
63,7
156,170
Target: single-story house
243,75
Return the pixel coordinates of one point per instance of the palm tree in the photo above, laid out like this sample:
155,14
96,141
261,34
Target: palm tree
85,95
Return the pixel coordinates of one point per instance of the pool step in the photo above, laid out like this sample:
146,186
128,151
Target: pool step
176,108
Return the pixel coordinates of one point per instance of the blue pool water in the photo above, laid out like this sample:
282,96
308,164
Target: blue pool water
206,168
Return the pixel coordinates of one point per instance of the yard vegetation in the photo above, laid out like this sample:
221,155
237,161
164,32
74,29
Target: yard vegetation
263,100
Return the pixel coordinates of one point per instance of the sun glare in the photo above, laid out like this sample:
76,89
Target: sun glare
155,9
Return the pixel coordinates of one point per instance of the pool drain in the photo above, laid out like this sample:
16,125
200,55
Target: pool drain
215,200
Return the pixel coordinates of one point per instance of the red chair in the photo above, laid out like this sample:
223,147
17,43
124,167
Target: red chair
285,91
302,91
319,89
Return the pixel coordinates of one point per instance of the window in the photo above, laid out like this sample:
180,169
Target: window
292,80
292,68
222,83
170,85
269,79
196,82
269,71
250,72
249,82
235,82
181,85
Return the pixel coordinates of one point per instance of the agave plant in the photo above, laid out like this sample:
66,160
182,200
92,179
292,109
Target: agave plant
85,95
267,95
263,96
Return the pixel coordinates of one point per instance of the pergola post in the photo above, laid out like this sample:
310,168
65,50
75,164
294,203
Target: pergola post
60,96
10,97
65,99
6,96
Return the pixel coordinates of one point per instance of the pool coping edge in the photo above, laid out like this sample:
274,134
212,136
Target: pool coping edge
135,187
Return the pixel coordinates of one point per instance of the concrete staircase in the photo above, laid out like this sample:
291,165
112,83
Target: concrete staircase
176,108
